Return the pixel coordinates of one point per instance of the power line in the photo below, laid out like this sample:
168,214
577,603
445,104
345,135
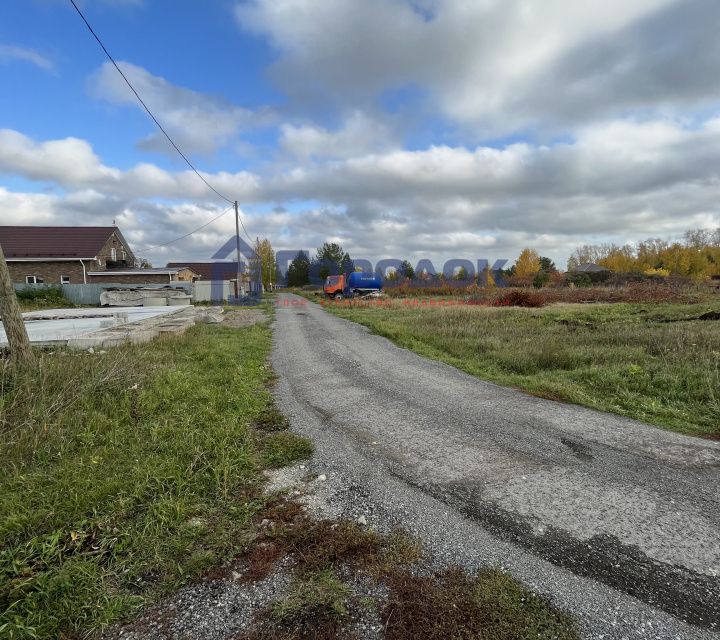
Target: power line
157,246
150,113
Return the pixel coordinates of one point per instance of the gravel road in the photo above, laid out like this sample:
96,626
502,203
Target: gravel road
616,521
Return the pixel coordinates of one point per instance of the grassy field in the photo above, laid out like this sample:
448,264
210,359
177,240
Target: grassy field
125,474
655,362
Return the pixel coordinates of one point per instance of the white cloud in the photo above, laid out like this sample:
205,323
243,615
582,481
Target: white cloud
197,122
497,66
72,164
12,53
359,134
617,181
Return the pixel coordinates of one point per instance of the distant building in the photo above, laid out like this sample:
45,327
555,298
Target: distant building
211,270
590,267
143,276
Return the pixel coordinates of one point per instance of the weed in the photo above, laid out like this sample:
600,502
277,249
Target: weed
283,447
315,598
271,420
452,604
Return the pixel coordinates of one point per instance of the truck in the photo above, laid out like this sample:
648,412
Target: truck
357,285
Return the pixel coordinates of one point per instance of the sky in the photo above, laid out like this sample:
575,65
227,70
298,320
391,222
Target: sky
418,129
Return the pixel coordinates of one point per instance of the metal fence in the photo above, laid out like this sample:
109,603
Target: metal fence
90,293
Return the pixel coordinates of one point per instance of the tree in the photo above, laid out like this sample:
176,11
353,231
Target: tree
347,266
528,264
13,323
461,275
547,265
143,263
298,274
266,260
406,270
331,259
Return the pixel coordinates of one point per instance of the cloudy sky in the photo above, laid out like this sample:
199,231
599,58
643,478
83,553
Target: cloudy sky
400,128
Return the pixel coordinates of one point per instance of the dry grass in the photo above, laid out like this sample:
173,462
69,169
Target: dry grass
454,605
328,556
659,363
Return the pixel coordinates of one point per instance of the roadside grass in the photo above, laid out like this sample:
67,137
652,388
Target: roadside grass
341,571
124,475
452,604
658,363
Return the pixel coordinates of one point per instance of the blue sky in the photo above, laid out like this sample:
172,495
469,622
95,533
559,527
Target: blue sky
424,129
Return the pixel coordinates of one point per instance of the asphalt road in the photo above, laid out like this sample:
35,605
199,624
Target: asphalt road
616,521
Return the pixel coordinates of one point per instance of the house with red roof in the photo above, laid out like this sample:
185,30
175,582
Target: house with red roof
77,255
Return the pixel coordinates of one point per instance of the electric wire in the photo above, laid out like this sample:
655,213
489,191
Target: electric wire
150,113
187,235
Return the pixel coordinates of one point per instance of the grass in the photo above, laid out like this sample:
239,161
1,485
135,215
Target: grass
452,604
329,559
657,363
126,474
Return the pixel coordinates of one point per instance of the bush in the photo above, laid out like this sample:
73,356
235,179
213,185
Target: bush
41,295
519,298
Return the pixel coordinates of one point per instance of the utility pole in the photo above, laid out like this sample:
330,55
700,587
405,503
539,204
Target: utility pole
238,282
11,317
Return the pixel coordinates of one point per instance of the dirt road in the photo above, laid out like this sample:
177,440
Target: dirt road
616,521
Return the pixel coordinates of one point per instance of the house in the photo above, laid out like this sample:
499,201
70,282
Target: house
212,270
77,255
63,255
590,267
143,276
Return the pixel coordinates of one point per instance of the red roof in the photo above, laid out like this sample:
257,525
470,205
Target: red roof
210,270
54,242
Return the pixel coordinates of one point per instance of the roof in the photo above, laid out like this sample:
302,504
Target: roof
211,270
590,267
55,242
136,272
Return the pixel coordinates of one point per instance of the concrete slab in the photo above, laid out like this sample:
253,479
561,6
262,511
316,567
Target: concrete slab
62,326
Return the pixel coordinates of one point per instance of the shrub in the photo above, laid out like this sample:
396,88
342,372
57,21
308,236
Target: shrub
519,298
41,295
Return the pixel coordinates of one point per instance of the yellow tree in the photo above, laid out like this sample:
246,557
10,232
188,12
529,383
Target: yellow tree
528,264
266,263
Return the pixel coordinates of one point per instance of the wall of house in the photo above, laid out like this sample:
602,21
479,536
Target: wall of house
50,272
105,254
112,276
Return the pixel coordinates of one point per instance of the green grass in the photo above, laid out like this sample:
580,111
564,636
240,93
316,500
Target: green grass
316,596
126,474
652,362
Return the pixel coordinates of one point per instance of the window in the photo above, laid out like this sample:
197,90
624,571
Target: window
30,279
64,279
123,255
113,254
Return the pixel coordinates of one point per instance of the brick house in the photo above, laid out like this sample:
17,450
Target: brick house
63,255
77,255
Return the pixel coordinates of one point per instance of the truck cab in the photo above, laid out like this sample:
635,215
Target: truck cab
334,287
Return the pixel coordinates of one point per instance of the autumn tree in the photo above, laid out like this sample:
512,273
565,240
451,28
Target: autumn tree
528,264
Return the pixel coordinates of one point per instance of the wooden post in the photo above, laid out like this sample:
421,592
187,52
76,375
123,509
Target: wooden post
13,324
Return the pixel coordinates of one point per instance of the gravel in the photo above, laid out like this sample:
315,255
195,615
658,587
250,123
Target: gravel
615,521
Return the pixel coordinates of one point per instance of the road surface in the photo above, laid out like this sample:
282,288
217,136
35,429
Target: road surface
615,520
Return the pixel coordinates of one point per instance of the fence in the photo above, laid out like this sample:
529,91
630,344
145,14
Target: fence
88,294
